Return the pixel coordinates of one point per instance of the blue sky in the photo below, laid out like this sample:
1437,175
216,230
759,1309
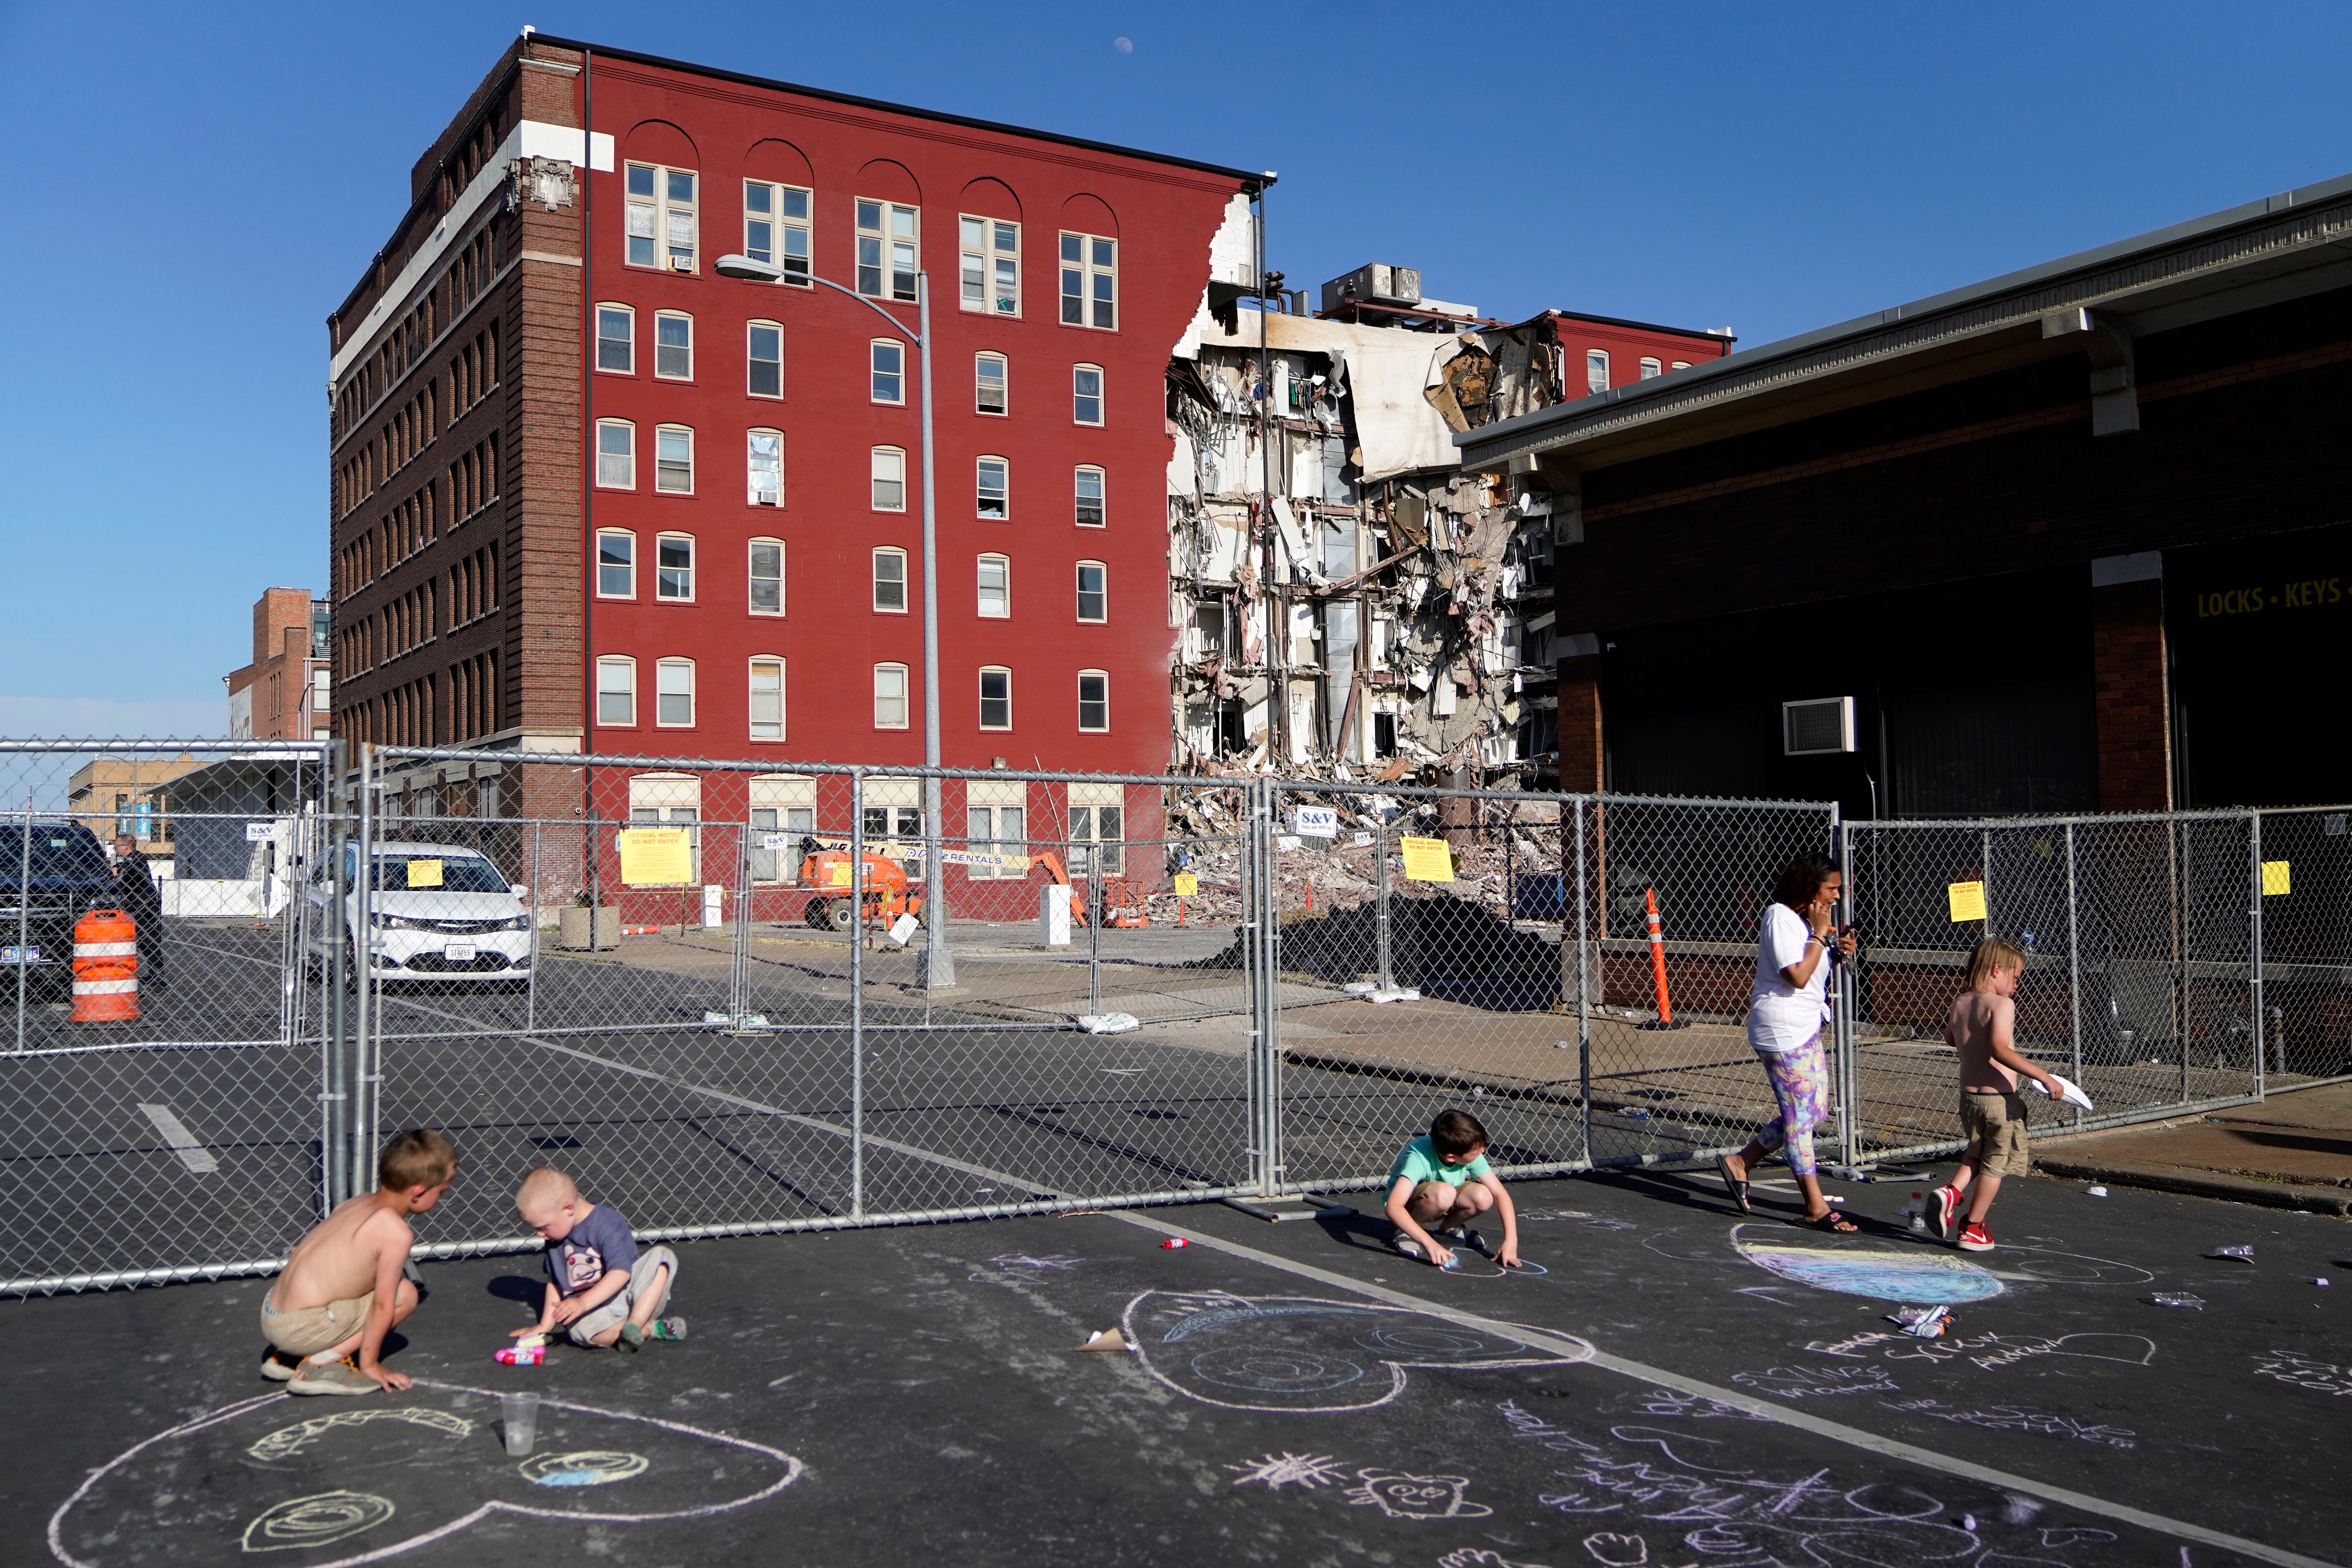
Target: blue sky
198,186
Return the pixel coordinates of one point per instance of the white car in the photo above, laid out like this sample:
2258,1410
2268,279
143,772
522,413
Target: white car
438,912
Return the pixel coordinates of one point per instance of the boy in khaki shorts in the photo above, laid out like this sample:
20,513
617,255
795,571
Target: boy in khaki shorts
1982,1029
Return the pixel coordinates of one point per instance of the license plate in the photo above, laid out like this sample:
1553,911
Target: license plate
458,952
9,955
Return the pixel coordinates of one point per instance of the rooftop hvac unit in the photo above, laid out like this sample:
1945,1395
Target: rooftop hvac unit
1817,727
1375,283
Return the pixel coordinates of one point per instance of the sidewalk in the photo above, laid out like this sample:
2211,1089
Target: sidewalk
2292,1151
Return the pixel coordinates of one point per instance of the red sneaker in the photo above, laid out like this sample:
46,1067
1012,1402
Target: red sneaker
1947,1210
1976,1238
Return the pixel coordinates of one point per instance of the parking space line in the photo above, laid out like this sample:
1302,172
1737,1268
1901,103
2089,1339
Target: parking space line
1852,1437
193,1155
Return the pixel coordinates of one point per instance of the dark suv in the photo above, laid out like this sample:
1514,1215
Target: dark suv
45,886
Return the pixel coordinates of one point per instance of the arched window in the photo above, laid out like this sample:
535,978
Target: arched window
1088,487
1651,367
674,568
616,564
890,581
674,459
995,698
767,576
616,690
991,379
673,694
890,696
763,462
1596,370
767,698
616,339
617,455
1093,700
889,479
764,360
673,345
996,587
1089,282
994,487
1086,394
1093,591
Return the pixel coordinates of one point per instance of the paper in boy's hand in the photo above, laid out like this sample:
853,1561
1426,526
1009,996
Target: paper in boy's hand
2068,1091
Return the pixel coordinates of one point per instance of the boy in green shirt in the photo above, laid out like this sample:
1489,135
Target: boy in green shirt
1444,1180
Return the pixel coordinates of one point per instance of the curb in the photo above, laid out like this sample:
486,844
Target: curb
2229,1189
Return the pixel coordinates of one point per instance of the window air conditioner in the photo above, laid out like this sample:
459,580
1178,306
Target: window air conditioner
680,264
765,498
1817,727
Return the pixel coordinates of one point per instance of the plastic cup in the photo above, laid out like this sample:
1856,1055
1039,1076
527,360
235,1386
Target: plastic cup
521,1425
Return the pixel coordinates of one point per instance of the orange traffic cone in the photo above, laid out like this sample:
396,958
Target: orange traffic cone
106,968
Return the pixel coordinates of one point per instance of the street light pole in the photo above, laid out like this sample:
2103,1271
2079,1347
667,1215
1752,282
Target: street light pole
939,963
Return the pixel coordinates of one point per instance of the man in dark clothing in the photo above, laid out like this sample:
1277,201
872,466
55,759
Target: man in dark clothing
143,903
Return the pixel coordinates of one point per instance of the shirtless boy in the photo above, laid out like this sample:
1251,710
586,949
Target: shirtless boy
344,1286
1992,1113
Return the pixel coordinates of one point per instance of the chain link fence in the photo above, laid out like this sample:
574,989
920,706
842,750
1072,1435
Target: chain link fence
734,997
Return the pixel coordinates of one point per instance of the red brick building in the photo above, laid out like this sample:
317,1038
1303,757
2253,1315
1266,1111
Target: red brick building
287,692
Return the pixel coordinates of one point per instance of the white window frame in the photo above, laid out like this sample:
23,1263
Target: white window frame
893,238
752,578
666,466
1002,490
989,275
1078,476
1079,397
752,362
985,671
1681,364
1596,371
621,457
876,349
664,670
1651,367
1003,565
1101,593
607,666
1103,702
890,552
1004,363
1096,308
755,667
662,595
885,677
626,316
888,466
665,219
996,821
684,352
759,466
783,228
1091,851
631,535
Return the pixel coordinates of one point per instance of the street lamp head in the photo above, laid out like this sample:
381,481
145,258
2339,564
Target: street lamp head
747,270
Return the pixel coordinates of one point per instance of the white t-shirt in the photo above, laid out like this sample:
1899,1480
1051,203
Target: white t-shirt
1781,1017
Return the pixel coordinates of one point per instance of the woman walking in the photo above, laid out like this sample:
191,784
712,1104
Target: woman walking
1786,1010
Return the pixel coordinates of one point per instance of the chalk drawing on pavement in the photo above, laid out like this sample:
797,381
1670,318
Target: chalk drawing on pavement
1401,1496
1815,1383
1307,1471
306,1523
1992,1352
2018,1418
2303,1371
1909,1274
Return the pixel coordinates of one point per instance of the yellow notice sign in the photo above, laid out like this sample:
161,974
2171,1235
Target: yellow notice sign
1187,884
1426,859
655,858
2277,883
1967,899
427,874
841,872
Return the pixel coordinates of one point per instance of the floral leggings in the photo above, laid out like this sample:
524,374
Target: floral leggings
1800,1085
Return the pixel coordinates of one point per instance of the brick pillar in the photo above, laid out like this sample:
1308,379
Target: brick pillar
2131,690
1579,718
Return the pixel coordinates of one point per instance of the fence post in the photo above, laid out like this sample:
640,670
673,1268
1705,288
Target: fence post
336,1092
355,934
738,979
856,994
1848,1079
2073,961
538,893
2184,929
1380,914
1583,989
24,913
1266,999
2258,1019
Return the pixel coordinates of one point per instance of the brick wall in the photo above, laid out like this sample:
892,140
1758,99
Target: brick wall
2134,709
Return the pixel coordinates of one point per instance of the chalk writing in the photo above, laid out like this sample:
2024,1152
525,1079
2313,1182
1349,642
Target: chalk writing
2319,1376
1992,1350
1802,1383
1594,1221
1401,1496
2016,1418
1617,1549
589,1468
1307,1471
1478,1557
288,1441
1023,1260
300,1523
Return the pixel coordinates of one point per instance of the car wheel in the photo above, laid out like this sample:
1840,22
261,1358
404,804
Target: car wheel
839,916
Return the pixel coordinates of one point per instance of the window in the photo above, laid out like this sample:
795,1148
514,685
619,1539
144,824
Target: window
991,266
1097,830
996,587
673,345
674,567
1094,596
763,467
887,250
1651,367
616,339
1682,364
889,479
776,227
996,823
321,701
616,564
1089,486
617,455
764,361
661,217
782,804
767,576
890,581
892,810
1089,282
995,698
890,368
992,487
670,800
616,690
1596,370
673,693
767,712
989,377
1093,700
1086,394
674,459
890,696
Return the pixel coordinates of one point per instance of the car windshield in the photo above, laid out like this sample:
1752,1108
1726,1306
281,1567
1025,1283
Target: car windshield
423,873
68,853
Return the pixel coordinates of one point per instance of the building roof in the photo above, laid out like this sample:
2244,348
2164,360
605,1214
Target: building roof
2264,252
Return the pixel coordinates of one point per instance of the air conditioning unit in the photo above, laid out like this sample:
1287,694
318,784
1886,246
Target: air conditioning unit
681,264
767,497
1375,283
1817,727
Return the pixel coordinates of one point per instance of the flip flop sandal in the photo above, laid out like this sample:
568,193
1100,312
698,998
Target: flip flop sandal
1832,1222
1733,1184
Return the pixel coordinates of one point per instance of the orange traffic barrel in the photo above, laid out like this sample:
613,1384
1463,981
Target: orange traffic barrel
105,968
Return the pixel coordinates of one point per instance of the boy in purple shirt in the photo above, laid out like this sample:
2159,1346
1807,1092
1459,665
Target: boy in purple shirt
601,1291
